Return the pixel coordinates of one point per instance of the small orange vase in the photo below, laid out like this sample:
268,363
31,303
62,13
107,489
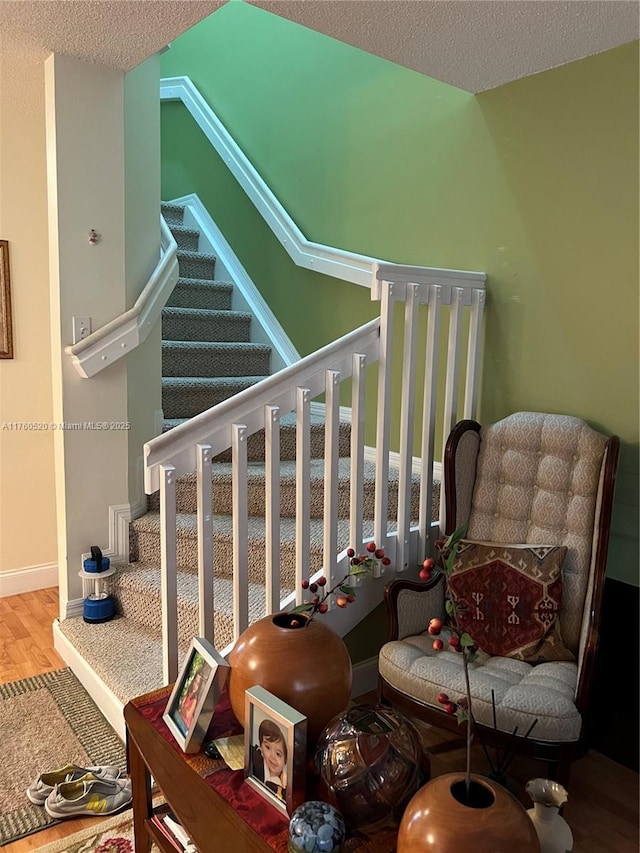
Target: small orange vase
308,667
437,819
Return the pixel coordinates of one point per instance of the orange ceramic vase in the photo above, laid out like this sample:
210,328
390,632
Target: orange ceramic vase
436,819
308,667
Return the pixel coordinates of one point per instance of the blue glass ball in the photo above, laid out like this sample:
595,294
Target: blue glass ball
316,827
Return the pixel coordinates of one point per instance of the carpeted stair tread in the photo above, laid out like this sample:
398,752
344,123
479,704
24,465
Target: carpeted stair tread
188,396
186,495
221,358
136,589
144,536
201,293
136,649
173,213
255,442
196,264
196,324
186,238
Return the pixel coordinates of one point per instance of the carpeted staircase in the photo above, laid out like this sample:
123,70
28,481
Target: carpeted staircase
207,356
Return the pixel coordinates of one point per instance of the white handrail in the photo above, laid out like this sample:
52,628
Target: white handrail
214,426
348,266
230,423
122,334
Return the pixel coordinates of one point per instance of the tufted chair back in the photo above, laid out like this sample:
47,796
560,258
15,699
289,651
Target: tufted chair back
537,479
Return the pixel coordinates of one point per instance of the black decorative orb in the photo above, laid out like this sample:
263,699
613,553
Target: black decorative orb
370,762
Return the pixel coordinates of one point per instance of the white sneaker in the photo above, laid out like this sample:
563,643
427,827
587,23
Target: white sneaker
40,788
88,796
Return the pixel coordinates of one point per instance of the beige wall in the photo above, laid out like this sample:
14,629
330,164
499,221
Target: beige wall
27,497
142,222
46,211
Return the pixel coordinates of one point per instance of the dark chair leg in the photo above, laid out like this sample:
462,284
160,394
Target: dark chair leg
564,772
560,771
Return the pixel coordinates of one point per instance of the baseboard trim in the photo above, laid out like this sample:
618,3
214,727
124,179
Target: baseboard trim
106,700
29,579
71,608
364,677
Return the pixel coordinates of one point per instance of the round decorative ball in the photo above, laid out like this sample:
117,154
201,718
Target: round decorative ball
491,820
370,762
316,827
300,660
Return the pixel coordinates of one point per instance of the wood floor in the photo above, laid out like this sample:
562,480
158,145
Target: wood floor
603,796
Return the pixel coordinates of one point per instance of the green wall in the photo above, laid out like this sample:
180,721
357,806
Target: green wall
534,182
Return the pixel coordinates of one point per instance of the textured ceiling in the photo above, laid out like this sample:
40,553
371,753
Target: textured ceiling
117,33
473,44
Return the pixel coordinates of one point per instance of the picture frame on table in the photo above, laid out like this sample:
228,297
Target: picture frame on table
195,694
275,747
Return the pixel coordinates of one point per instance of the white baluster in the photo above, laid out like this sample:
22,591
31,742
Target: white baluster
168,573
429,415
453,374
358,392
240,529
205,542
303,489
331,431
406,426
272,507
473,354
383,416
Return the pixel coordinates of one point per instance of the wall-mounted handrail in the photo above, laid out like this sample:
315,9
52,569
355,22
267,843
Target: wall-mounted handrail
348,266
122,334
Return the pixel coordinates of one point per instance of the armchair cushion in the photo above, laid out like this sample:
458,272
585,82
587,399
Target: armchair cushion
513,595
523,693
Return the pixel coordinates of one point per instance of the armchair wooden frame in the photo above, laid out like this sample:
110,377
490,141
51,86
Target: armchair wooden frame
558,755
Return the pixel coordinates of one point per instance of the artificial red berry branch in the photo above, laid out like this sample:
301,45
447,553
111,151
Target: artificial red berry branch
360,565
459,640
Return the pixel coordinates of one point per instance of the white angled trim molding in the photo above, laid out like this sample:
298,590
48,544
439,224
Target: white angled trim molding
28,579
124,333
246,295
348,266
120,516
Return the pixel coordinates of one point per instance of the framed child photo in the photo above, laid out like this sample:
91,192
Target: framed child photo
195,694
275,745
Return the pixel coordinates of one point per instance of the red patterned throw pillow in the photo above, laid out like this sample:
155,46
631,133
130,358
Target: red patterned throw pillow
513,595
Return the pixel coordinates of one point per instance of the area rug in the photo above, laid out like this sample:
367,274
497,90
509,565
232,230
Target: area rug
114,835
46,721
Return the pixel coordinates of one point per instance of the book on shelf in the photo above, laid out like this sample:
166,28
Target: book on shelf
166,833
171,828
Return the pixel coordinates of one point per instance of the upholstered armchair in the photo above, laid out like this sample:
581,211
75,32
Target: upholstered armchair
532,479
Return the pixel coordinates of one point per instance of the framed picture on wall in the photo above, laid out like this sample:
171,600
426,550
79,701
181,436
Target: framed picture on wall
6,323
195,694
275,745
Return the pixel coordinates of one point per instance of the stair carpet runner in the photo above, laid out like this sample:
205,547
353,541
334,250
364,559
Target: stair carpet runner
207,356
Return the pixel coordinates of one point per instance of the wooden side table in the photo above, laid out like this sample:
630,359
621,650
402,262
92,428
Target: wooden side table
188,784
213,825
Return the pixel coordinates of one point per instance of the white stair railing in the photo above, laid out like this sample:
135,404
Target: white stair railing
440,294
430,303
